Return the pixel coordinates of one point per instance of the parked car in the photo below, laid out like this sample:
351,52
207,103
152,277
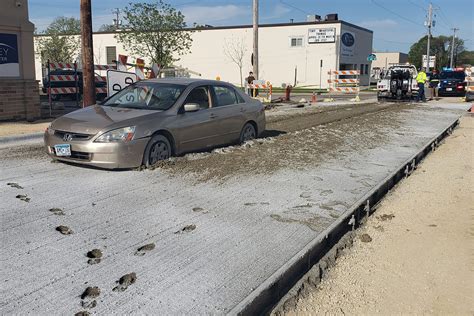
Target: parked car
152,120
70,84
451,82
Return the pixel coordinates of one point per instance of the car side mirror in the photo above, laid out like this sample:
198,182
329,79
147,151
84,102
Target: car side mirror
191,107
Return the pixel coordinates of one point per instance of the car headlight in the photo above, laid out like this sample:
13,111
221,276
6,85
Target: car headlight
117,135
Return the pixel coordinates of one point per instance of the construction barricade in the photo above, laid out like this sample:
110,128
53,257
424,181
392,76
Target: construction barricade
344,81
260,86
469,80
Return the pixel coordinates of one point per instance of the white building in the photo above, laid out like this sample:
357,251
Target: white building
287,51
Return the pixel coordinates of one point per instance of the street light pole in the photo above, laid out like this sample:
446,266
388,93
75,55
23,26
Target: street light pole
452,47
429,24
255,38
87,54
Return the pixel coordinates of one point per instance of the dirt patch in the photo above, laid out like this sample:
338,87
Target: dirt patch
23,152
186,229
56,211
14,185
64,230
141,251
125,281
312,221
385,217
23,197
94,256
365,238
91,292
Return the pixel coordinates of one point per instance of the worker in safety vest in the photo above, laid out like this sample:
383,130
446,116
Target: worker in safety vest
421,79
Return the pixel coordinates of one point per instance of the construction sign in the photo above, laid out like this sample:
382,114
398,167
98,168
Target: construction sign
118,80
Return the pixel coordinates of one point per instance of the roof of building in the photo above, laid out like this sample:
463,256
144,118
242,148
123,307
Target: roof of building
210,28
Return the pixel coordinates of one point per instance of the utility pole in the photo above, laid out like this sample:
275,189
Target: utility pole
429,24
255,38
452,47
87,54
117,19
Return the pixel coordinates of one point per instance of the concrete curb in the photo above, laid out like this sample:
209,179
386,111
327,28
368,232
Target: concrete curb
16,138
268,295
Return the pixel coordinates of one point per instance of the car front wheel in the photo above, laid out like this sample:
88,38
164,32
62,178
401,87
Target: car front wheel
248,133
158,148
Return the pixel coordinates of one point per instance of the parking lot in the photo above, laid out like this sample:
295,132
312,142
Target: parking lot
215,224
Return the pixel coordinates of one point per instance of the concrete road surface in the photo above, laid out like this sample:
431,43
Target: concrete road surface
221,222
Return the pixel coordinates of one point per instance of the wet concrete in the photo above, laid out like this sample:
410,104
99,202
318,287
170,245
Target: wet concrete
247,226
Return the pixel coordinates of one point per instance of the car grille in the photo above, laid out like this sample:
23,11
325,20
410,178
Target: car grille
80,155
75,136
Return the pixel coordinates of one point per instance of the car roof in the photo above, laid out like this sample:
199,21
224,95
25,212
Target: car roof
185,81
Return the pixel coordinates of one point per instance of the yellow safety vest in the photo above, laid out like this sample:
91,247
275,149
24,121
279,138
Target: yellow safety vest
421,77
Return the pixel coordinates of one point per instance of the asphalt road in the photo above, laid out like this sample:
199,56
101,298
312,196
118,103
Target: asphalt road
222,222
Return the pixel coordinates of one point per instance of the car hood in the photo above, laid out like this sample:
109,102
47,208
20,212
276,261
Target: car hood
93,119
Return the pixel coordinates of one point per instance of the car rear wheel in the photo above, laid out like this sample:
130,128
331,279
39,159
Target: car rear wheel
248,133
158,148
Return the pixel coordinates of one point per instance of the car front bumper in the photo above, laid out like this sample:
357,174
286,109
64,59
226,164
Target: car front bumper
103,155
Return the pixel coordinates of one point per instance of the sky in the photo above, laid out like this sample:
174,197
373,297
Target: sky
396,24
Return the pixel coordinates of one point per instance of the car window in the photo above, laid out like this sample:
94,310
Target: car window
199,95
224,96
240,99
146,96
452,75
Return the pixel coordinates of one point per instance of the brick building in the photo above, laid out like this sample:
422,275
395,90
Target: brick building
19,96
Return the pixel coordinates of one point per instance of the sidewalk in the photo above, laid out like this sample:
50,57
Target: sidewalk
23,128
414,256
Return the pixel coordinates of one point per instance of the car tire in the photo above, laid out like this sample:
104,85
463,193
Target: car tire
248,133
158,148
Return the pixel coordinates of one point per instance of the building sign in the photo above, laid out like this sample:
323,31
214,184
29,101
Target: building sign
347,44
432,61
323,35
9,64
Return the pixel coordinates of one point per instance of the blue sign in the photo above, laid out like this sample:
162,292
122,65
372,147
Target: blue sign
371,57
348,39
9,62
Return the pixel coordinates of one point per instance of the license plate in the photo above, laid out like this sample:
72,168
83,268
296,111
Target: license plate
62,150
449,89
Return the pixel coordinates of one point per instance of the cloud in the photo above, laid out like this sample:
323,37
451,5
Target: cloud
373,24
209,15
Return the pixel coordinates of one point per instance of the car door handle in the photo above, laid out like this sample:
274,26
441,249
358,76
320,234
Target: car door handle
243,110
212,116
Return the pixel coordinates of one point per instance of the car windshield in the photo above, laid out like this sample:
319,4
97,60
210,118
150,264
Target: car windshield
147,96
452,75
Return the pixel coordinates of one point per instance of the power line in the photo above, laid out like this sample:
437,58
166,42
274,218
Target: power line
417,5
292,6
395,13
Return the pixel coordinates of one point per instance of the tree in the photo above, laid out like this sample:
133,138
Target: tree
440,47
156,31
465,58
60,42
235,50
107,28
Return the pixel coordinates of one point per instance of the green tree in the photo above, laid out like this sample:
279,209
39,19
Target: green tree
439,46
465,58
156,31
60,41
107,28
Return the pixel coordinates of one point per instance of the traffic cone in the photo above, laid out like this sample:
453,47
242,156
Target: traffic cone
313,98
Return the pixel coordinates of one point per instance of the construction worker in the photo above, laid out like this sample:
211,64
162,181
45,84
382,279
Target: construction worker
434,82
421,80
